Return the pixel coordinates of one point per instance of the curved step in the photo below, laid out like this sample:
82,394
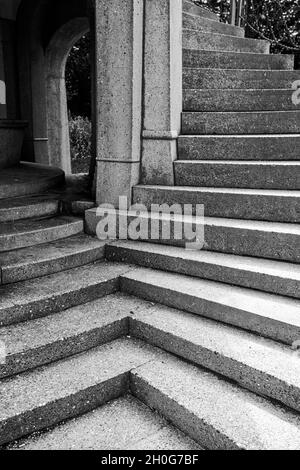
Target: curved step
236,60
236,203
24,233
268,315
206,25
238,100
261,122
234,174
49,258
276,277
189,6
218,79
28,208
29,178
220,42
239,147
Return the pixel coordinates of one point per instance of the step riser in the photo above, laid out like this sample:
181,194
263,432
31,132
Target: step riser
26,239
217,42
252,379
239,148
251,100
195,428
47,209
18,363
222,204
208,26
231,60
50,305
63,409
249,321
205,270
210,79
12,274
280,244
252,176
241,123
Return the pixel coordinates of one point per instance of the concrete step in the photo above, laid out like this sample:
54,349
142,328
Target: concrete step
47,396
113,427
29,300
235,203
268,315
205,25
257,364
220,42
263,122
236,60
29,178
270,240
49,258
275,277
25,233
238,100
235,174
216,414
225,79
190,7
239,147
28,208
45,340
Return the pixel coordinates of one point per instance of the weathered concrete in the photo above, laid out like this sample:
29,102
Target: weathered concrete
258,364
213,412
49,258
14,209
57,292
213,79
162,90
190,7
239,147
46,340
238,100
66,389
119,49
255,273
269,315
24,233
206,25
235,174
263,122
113,427
27,179
236,203
236,60
220,42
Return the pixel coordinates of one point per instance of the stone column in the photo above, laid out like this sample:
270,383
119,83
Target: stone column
118,83
162,90
3,114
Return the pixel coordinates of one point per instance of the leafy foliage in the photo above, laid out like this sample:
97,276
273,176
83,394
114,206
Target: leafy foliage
80,129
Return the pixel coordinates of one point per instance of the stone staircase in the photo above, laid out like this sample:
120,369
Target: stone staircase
136,345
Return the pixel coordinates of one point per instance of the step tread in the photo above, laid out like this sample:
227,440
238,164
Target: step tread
215,413
36,261
112,427
27,300
224,36
201,22
261,365
242,162
37,342
32,226
32,394
28,207
238,299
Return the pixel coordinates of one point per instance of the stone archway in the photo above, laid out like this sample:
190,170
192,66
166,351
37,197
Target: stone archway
57,113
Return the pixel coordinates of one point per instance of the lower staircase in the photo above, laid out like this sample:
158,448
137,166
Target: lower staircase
138,345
